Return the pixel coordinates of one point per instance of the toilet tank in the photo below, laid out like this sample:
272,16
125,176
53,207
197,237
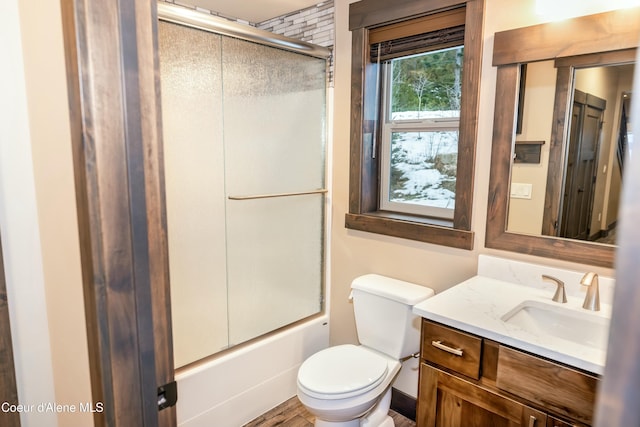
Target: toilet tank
383,311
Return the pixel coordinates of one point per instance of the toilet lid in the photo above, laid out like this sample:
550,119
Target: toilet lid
342,371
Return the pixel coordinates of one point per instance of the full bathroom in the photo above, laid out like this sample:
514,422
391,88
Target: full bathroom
212,215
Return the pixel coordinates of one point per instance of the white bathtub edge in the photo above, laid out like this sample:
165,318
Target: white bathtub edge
239,386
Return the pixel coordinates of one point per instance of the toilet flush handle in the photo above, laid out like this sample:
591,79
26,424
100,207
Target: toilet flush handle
411,356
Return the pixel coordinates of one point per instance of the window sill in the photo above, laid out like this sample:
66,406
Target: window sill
411,227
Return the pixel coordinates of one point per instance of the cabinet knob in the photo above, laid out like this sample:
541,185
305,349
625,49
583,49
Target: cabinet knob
532,421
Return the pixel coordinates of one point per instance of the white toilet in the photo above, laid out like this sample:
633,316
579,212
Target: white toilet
349,385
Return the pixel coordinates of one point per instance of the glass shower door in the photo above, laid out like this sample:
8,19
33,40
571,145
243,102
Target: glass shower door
191,76
274,133
244,129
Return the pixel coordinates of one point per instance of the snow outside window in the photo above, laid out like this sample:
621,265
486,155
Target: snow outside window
419,133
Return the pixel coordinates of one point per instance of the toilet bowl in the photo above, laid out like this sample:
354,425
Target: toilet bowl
342,384
350,385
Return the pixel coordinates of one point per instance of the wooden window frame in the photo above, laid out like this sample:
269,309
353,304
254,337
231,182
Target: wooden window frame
364,212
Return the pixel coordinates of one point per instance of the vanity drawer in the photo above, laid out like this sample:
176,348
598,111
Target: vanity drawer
560,389
451,349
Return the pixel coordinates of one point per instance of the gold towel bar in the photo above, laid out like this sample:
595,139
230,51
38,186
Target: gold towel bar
267,196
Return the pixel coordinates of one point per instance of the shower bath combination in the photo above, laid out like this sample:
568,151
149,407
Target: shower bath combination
244,144
245,139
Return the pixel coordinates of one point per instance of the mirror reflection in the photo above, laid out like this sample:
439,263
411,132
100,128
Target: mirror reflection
570,187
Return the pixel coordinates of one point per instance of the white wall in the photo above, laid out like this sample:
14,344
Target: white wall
38,216
19,228
525,215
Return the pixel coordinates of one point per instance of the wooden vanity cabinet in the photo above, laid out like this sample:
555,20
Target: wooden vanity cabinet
446,400
470,381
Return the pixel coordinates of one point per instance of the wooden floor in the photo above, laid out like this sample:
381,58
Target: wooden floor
292,414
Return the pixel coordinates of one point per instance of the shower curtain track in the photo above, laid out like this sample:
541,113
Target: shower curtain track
195,19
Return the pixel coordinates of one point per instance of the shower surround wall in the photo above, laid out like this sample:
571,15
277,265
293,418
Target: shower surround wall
242,119
313,25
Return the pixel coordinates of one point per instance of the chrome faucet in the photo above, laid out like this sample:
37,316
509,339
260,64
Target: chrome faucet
560,295
592,299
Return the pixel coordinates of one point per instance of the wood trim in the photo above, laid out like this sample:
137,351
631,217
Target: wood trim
424,24
156,214
363,178
363,167
373,13
501,152
359,57
115,120
553,193
8,386
600,32
470,101
544,245
378,222
598,59
499,180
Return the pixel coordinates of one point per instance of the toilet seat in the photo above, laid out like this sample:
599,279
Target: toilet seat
341,372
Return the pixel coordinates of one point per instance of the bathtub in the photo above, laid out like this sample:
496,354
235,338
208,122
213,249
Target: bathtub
240,385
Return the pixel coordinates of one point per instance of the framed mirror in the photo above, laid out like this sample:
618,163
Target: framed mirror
555,154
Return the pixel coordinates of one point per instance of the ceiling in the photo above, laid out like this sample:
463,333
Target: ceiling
254,11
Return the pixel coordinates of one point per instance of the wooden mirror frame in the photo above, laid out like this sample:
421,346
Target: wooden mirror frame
587,35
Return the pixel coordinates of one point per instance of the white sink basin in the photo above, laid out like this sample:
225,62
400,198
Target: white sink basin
577,326
508,303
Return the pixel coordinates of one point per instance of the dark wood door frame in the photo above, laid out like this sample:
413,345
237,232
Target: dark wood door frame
581,165
8,386
112,69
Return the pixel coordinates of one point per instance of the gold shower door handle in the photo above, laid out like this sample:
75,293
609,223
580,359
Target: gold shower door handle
268,196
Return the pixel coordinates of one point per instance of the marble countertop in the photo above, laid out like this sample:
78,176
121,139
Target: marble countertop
477,306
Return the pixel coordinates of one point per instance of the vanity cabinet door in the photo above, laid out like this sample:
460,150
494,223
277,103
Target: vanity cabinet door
560,390
448,401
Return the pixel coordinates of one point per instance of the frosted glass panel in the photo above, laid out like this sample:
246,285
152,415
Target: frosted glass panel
274,119
240,119
275,263
191,79
274,122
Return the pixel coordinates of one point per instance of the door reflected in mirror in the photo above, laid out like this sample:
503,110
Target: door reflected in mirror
573,189
603,39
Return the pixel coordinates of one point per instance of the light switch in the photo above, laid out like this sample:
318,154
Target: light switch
521,191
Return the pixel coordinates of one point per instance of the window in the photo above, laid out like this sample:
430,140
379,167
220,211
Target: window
415,85
419,133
